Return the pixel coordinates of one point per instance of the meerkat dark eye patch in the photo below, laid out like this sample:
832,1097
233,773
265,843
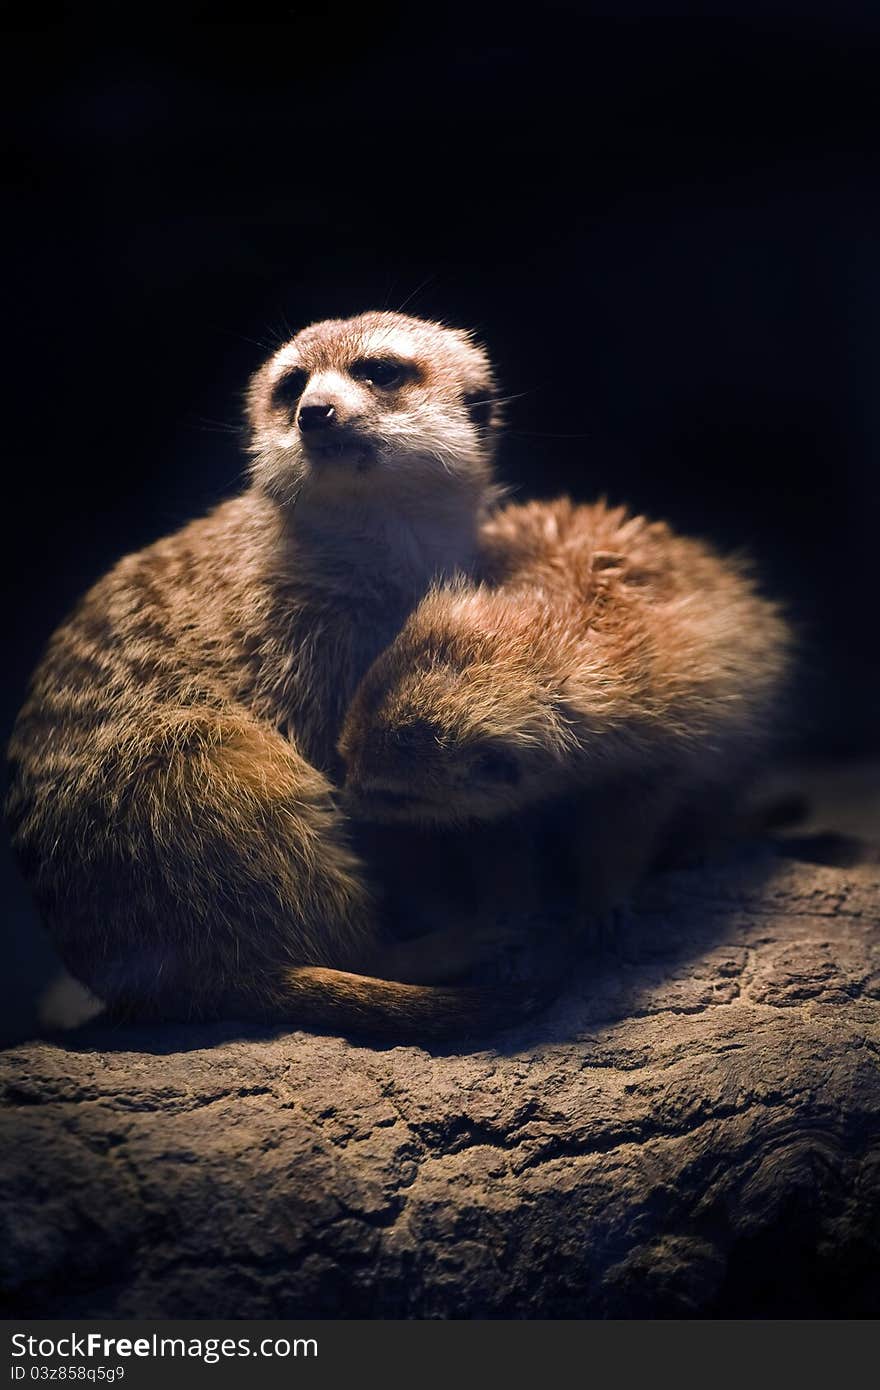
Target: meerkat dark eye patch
480,407
288,389
496,766
386,372
417,737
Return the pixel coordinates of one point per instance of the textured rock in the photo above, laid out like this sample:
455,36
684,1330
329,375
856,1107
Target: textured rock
693,1129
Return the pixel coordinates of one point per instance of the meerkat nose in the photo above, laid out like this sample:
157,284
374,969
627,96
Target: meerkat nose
316,417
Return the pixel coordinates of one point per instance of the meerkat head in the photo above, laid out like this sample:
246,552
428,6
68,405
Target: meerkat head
381,407
461,718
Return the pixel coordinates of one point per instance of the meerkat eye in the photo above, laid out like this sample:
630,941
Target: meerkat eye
493,765
417,736
379,371
288,389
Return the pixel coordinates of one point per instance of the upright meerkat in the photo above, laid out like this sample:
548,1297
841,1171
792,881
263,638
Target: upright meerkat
607,658
172,797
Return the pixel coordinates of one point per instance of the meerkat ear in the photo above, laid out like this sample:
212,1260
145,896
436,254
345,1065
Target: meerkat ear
482,408
255,400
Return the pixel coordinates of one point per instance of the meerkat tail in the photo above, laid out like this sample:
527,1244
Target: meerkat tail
323,998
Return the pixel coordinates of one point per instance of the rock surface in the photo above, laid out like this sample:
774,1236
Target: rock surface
692,1130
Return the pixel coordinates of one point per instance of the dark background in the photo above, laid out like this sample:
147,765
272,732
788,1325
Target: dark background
665,229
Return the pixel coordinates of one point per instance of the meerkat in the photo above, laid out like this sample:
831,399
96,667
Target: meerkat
605,659
172,797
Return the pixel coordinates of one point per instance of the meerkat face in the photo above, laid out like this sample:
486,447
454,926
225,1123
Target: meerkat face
381,405
456,721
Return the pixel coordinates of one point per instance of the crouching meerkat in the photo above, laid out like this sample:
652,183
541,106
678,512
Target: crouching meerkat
605,659
172,796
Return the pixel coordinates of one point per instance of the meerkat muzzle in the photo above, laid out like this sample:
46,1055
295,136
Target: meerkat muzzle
316,417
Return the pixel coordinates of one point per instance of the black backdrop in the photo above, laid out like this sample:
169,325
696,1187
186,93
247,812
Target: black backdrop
665,228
